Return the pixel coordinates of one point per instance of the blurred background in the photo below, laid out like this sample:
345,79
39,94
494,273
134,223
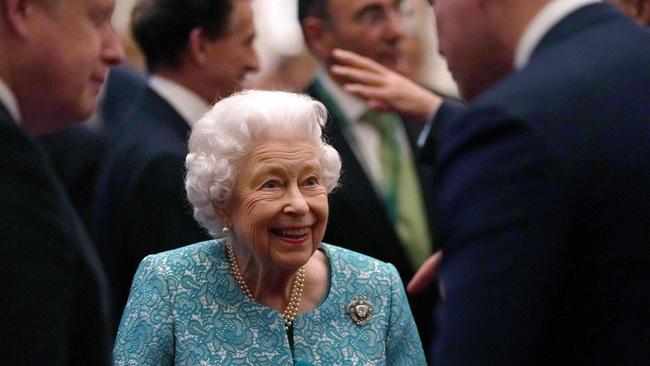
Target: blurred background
284,60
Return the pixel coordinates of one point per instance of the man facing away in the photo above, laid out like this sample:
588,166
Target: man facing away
54,56
379,208
543,185
196,52
543,181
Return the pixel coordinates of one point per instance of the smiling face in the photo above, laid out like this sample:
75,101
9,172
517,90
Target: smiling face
475,57
278,208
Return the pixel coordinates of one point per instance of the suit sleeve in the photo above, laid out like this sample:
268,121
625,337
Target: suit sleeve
403,346
440,122
146,333
500,226
52,305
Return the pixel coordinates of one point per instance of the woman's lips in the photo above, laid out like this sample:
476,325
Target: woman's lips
292,235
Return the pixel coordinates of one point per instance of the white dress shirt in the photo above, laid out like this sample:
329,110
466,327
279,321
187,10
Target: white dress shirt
9,101
367,141
187,103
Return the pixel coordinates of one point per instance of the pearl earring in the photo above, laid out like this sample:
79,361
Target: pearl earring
225,230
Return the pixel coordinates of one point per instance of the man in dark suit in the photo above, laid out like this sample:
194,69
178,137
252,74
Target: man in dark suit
124,85
196,52
579,223
76,154
366,216
54,56
543,185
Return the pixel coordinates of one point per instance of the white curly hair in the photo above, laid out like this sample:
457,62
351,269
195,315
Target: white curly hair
224,135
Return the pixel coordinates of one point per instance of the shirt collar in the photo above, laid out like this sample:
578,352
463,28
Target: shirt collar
9,100
187,103
351,106
551,14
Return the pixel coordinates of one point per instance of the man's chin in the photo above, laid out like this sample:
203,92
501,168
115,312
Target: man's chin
74,118
397,65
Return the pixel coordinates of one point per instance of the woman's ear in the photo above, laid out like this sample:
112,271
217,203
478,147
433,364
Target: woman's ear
221,213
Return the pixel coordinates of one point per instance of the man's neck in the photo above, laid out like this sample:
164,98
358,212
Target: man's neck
509,20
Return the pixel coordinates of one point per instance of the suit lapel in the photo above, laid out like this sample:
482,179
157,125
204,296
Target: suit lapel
353,173
164,113
363,209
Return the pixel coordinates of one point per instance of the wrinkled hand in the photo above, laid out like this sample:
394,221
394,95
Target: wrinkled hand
427,272
384,89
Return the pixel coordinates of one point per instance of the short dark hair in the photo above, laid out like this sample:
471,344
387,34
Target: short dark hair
162,27
312,8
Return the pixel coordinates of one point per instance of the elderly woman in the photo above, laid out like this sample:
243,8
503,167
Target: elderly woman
268,292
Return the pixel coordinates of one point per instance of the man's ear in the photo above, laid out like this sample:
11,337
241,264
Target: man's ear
643,12
15,14
197,46
318,37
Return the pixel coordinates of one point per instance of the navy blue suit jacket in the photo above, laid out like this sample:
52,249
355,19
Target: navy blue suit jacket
76,154
543,199
141,207
358,219
123,87
54,295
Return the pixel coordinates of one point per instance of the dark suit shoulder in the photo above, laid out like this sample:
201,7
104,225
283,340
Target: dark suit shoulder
54,297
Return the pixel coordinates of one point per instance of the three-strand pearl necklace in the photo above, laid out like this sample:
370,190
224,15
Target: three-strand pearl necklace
295,296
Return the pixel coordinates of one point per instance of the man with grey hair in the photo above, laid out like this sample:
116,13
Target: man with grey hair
197,51
54,56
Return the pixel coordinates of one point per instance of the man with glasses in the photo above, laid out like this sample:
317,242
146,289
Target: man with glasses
379,209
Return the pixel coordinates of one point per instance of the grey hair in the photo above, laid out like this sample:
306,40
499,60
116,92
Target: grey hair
223,137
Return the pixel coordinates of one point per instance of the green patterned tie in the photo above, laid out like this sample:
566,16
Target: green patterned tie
400,188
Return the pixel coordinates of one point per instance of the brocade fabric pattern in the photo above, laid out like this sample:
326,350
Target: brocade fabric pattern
185,308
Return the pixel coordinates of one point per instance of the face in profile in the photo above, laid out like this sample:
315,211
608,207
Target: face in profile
278,208
73,44
232,55
475,58
371,28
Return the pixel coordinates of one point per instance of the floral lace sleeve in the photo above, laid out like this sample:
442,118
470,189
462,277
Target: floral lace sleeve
146,335
403,346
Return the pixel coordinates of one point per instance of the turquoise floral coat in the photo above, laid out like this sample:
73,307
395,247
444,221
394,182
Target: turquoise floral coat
185,308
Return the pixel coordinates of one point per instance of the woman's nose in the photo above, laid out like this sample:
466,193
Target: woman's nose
296,202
